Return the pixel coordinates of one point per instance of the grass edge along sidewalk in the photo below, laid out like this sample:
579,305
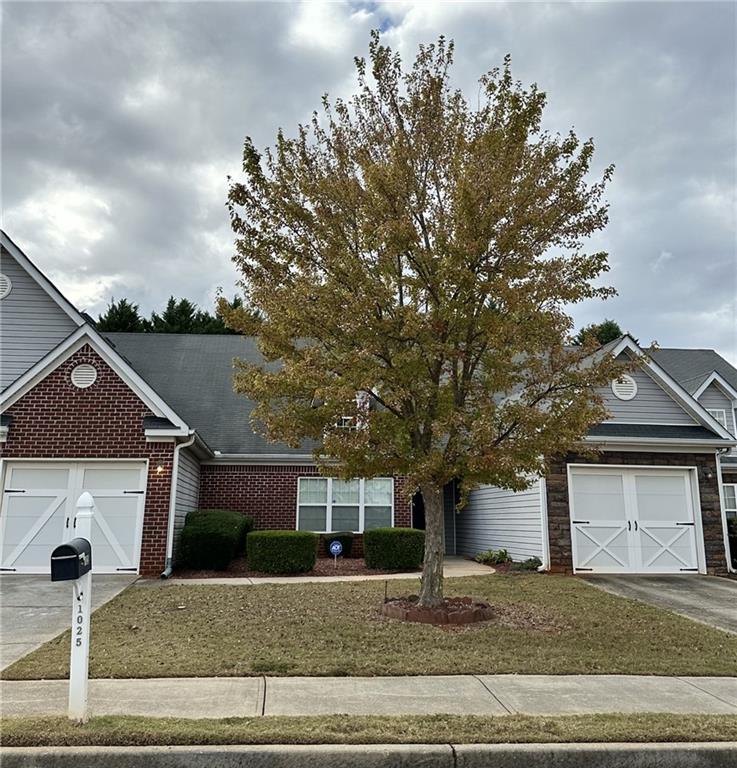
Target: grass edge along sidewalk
346,729
545,625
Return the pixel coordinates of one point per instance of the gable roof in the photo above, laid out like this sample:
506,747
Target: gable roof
194,374
692,367
88,335
41,279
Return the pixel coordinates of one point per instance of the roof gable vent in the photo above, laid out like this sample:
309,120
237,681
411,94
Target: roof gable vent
5,286
625,387
84,375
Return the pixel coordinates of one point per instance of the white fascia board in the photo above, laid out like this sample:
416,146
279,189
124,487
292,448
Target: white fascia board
686,400
155,435
38,276
261,458
88,335
723,384
642,442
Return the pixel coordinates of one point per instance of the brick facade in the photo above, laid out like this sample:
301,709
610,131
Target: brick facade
268,494
559,521
56,420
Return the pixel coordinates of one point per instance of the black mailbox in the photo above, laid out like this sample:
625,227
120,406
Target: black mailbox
71,560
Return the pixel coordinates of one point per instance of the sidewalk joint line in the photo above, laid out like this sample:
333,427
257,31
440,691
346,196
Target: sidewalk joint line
455,756
709,693
494,696
263,697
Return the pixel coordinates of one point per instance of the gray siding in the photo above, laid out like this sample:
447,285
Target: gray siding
31,322
713,397
495,518
651,404
188,490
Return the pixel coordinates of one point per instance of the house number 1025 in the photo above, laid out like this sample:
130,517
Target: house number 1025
80,623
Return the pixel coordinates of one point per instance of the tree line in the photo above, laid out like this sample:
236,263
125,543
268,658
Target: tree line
179,316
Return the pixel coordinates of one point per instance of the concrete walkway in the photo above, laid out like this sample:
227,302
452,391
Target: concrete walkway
457,694
33,609
452,567
707,599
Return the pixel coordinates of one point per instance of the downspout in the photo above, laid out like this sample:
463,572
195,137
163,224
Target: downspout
543,487
725,530
172,505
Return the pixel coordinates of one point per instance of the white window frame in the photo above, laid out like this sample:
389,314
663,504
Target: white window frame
730,511
720,414
329,502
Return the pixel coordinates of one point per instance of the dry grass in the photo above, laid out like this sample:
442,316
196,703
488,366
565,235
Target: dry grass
345,729
335,629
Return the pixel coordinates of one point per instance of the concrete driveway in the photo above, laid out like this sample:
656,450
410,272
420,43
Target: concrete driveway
34,610
707,599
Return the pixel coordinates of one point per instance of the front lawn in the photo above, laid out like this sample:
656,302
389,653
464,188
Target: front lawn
546,625
346,729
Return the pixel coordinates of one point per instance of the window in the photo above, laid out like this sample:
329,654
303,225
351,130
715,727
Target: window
325,504
719,414
730,499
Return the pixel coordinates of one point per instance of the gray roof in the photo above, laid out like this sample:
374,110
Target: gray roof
691,367
193,373
659,431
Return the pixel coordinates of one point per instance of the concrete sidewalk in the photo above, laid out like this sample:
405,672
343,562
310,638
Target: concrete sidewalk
457,694
453,567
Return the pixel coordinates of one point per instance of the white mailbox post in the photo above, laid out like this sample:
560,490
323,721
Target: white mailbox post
82,603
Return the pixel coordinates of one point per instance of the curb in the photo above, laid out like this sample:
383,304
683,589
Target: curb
685,755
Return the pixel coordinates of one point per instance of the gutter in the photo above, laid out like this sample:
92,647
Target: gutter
172,504
725,529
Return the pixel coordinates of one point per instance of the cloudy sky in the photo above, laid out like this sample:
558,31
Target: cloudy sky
120,123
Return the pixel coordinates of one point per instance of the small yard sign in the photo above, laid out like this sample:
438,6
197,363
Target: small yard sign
335,549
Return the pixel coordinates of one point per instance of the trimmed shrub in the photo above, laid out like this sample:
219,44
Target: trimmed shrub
281,551
393,549
211,538
344,537
493,557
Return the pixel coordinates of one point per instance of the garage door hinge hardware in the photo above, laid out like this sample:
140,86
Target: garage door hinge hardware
14,490
139,492
581,522
684,523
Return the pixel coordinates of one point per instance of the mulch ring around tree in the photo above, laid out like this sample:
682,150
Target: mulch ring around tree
459,612
324,566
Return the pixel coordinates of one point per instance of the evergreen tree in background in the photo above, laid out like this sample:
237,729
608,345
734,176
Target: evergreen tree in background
602,332
122,316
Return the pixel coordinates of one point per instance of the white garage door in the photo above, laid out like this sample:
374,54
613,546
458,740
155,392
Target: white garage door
633,521
38,506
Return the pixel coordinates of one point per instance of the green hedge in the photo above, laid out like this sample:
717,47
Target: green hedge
211,538
393,549
344,537
281,551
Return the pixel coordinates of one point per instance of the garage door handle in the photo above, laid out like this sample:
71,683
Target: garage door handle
14,490
581,522
140,492
684,523
635,524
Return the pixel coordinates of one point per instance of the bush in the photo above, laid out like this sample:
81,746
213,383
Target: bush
281,551
344,537
211,538
493,557
393,549
732,537
531,564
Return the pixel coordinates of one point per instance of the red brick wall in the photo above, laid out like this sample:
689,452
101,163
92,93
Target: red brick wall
559,526
55,420
268,494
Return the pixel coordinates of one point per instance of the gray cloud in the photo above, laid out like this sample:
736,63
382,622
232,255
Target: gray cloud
120,123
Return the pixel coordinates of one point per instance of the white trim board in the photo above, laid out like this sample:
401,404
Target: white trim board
73,343
721,382
676,391
35,273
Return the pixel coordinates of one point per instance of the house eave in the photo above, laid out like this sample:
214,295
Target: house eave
283,459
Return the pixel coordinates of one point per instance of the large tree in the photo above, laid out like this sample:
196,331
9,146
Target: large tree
411,259
604,332
122,315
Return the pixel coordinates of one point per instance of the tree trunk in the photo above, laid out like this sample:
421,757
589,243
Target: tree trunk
431,589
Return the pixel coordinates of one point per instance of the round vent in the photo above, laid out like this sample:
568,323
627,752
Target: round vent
625,387
5,286
84,376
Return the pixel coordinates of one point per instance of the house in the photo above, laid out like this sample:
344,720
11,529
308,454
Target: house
149,424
